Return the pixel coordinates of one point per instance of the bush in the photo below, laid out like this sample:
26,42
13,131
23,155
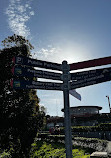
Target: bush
100,127
53,150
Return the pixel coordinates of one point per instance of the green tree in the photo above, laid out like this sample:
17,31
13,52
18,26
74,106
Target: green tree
42,118
19,109
16,40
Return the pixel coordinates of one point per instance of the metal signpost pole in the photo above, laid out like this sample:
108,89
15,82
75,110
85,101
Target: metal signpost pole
109,103
67,118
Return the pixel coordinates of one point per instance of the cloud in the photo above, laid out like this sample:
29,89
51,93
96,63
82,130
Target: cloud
32,13
18,14
50,53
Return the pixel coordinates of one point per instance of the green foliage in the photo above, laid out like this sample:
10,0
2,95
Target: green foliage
5,154
90,144
46,150
16,40
88,140
79,154
100,127
20,118
15,106
105,126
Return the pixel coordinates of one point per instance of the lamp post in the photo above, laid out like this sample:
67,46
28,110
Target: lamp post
109,103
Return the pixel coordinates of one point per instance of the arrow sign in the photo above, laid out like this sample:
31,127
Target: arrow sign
31,72
91,81
23,84
90,63
75,94
36,63
89,74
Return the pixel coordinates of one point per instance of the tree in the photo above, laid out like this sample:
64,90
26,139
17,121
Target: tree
16,40
42,121
19,109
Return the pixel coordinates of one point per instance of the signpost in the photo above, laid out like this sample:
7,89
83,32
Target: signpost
24,84
70,82
31,72
88,74
91,80
67,118
75,94
36,63
90,63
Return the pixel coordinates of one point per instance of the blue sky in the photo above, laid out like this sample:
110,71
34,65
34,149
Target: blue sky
72,30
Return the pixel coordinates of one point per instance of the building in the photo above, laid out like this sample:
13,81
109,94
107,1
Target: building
84,111
86,116
55,120
82,116
79,115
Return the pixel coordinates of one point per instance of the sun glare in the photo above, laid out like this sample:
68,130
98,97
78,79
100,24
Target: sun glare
74,53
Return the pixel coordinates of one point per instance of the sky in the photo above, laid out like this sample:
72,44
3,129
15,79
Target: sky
71,30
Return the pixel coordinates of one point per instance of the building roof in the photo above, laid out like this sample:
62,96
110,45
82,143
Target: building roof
88,106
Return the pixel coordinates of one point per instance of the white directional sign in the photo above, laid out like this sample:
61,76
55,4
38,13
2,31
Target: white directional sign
75,94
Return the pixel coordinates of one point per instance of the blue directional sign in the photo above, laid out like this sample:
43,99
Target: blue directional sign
24,84
89,74
95,79
36,63
31,72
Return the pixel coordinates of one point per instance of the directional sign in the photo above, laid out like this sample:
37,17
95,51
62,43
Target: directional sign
91,81
31,72
90,63
75,94
36,63
23,84
89,74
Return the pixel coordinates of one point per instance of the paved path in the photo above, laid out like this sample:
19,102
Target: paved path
109,147
99,154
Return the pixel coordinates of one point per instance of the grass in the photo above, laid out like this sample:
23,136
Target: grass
47,150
